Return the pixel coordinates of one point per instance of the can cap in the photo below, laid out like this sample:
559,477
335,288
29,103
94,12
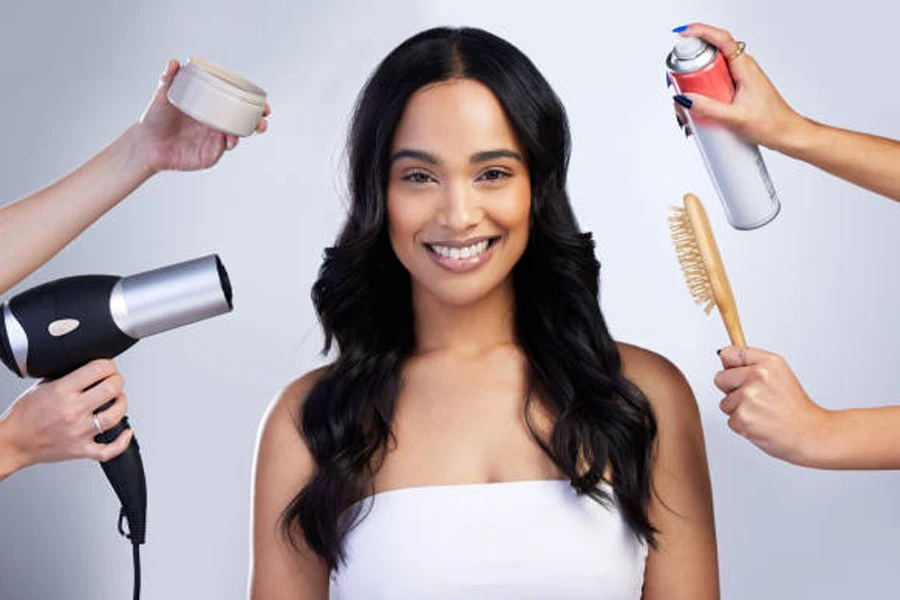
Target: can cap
690,54
688,47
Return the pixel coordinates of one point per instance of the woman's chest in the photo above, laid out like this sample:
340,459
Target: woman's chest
465,430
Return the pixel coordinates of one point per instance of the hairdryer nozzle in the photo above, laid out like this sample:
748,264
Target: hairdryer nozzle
162,299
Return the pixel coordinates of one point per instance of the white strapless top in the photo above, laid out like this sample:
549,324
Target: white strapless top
523,540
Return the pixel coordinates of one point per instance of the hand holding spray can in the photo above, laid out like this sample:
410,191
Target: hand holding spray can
735,166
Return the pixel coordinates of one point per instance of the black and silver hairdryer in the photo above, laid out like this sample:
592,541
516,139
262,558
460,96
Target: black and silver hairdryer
55,328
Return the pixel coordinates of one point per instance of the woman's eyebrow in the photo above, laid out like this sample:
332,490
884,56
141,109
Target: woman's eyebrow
478,157
416,154
494,154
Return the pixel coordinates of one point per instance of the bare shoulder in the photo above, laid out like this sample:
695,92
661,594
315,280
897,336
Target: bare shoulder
283,459
280,424
684,564
665,387
283,466
290,399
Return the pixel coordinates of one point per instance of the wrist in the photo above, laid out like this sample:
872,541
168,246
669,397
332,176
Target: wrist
822,444
12,458
797,137
138,147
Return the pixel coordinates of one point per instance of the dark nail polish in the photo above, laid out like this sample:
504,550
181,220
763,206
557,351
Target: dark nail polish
680,122
683,101
719,352
680,28
668,80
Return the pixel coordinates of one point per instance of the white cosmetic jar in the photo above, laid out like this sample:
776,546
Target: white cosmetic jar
217,97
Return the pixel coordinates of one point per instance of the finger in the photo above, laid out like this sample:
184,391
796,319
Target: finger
88,375
230,142
102,393
736,424
730,403
732,356
267,110
705,107
262,126
680,113
112,415
744,70
105,452
720,38
731,379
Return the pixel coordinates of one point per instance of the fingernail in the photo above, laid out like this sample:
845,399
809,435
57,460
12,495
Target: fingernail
683,100
719,352
668,80
680,122
680,28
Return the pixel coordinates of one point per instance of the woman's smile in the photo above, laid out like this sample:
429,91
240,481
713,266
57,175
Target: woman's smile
464,255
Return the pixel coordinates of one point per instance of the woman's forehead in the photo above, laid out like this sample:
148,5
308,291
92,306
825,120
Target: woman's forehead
454,116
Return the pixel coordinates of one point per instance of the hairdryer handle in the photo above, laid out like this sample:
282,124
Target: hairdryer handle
126,474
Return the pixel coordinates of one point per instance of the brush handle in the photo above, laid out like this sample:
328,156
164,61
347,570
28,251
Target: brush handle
712,260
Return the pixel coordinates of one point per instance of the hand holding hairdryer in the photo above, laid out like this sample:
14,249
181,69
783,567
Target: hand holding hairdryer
60,326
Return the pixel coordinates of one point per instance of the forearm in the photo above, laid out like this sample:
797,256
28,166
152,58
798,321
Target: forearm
35,228
862,438
869,161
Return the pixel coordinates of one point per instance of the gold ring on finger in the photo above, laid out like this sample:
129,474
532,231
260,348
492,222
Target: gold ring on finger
738,50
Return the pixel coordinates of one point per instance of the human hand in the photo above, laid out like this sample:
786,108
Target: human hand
757,112
171,140
54,420
767,405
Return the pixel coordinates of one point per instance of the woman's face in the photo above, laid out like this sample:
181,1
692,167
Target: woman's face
459,194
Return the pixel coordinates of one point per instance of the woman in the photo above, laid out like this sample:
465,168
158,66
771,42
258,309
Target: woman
479,434
54,421
765,401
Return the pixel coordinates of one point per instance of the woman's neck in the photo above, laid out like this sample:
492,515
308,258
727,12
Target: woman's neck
464,329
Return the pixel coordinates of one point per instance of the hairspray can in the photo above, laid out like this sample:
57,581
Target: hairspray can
735,166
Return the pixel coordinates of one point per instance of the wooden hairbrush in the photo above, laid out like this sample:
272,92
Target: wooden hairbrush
701,263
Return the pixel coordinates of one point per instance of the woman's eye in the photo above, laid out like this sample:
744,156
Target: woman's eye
417,177
494,175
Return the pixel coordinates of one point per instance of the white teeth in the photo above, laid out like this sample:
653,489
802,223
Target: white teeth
469,252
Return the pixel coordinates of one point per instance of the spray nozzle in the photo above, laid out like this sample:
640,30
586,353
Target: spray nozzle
687,48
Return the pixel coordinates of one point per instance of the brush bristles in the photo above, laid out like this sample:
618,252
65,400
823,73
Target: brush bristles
690,259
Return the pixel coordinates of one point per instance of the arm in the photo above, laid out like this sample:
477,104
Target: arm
766,404
759,114
52,421
283,466
33,229
684,565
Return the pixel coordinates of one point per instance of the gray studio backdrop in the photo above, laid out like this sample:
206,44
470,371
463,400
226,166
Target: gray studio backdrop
818,285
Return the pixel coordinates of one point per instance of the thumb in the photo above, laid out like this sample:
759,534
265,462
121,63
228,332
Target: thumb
165,80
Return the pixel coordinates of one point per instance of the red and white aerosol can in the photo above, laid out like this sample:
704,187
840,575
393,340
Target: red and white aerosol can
735,166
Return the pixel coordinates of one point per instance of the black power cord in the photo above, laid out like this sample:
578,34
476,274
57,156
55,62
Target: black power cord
135,554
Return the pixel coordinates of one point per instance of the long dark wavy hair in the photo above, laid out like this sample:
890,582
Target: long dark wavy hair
363,299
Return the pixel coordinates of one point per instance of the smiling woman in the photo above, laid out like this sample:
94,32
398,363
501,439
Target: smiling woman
480,434
459,196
